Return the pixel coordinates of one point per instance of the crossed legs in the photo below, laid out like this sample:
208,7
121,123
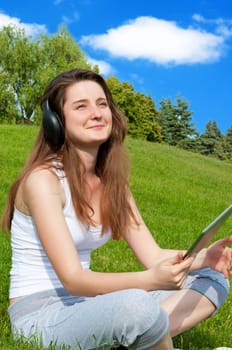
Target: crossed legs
186,308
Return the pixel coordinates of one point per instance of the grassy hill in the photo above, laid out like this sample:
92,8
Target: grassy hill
178,194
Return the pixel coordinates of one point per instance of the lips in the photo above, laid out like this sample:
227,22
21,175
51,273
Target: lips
97,126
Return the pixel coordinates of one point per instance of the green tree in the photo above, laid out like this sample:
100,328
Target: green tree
210,140
27,64
7,106
138,109
228,143
220,150
18,56
176,123
61,53
147,124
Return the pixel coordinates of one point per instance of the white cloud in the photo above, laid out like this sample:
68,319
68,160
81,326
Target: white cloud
104,67
30,28
138,78
160,41
68,20
199,18
222,26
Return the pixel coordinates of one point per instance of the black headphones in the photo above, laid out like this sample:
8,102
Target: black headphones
53,128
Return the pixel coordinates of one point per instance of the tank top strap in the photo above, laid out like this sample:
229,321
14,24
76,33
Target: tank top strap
64,183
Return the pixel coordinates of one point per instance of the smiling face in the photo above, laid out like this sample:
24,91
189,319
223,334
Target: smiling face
88,118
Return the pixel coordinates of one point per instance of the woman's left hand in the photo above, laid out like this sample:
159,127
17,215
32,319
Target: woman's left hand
219,257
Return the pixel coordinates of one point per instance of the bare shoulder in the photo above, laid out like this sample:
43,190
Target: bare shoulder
39,185
41,175
41,179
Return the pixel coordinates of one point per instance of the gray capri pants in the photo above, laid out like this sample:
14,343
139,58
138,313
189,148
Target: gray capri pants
132,317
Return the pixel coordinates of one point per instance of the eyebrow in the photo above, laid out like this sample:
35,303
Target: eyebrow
86,100
79,101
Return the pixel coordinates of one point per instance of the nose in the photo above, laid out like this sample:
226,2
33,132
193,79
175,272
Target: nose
96,112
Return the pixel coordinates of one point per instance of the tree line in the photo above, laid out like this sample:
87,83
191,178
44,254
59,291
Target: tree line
28,63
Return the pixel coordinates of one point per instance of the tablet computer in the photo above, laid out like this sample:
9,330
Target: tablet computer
207,234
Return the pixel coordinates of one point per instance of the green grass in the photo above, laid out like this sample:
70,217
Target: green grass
178,194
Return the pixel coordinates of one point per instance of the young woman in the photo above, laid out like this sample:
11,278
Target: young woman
71,198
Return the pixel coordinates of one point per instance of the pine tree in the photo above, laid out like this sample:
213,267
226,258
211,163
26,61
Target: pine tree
210,139
176,123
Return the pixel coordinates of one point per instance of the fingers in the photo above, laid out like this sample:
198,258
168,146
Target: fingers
180,265
226,272
181,278
226,240
180,269
224,263
179,258
187,262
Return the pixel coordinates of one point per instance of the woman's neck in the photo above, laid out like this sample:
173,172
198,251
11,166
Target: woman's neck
89,158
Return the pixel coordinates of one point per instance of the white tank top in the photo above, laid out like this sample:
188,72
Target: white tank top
31,269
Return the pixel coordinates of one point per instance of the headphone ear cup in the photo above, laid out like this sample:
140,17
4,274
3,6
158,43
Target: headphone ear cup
53,128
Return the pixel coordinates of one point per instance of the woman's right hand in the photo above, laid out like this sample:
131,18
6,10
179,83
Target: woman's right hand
171,273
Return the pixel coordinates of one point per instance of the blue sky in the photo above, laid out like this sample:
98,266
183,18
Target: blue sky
165,48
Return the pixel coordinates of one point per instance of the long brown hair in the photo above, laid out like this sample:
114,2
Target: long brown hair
111,164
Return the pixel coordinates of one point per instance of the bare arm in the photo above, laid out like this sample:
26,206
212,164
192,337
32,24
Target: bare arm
44,199
217,256
167,263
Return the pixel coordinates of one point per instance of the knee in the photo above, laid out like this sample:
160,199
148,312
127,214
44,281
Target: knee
222,287
139,313
212,284
138,304
224,282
